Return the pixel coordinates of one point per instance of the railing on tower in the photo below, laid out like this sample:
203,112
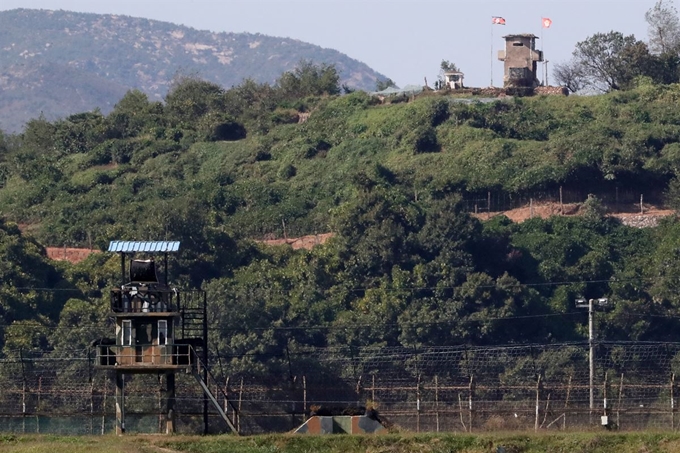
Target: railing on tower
144,299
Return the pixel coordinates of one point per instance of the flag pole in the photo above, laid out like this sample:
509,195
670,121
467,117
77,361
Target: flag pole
492,24
545,70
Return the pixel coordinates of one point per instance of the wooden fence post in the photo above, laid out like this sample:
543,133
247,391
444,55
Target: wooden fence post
304,398
436,400
471,389
547,410
373,388
23,394
91,405
226,399
566,404
617,198
38,406
488,204
618,404
604,395
418,404
460,412
106,389
538,402
673,401
240,401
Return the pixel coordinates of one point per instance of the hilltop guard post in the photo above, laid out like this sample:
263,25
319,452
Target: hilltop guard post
157,331
520,59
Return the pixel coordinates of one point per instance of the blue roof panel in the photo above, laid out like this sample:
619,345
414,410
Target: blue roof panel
144,246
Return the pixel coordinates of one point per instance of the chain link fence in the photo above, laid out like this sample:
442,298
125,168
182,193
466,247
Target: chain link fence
454,389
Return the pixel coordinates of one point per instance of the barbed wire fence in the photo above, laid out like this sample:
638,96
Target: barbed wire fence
452,389
561,201
616,200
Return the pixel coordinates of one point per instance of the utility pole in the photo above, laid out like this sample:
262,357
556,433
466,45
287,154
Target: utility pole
590,304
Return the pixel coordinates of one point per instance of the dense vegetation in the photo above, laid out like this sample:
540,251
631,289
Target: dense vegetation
408,266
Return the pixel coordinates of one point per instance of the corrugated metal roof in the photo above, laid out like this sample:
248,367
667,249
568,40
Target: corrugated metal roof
143,246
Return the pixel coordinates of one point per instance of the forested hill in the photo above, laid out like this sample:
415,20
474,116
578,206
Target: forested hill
246,159
60,63
408,265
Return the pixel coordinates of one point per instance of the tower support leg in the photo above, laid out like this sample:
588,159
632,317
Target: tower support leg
170,420
120,403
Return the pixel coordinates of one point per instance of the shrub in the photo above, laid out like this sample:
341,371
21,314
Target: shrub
285,116
227,131
424,140
287,171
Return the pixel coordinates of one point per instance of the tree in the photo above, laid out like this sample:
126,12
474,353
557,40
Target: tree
132,114
309,79
448,66
570,75
384,84
190,98
80,322
444,67
664,28
606,62
600,60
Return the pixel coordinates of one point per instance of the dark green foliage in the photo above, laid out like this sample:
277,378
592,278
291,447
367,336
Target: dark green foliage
309,79
611,61
191,98
287,171
24,307
225,129
285,116
408,266
424,140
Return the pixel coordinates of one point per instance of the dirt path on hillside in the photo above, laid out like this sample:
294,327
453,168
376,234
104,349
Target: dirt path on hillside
630,216
546,210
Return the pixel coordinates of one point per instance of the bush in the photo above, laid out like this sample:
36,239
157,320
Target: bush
285,116
424,140
287,171
227,131
398,99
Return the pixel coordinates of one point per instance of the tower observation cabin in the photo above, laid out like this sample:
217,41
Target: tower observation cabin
158,328
520,59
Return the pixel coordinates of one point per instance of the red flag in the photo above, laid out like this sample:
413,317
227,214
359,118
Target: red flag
497,20
546,22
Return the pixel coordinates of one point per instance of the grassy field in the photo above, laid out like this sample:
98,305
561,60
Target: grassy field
393,443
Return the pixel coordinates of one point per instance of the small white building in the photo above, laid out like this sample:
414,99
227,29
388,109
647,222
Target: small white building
453,80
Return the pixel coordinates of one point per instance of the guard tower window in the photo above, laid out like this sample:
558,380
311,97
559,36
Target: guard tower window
517,44
127,332
162,332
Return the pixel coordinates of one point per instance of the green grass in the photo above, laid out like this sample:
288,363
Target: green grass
646,442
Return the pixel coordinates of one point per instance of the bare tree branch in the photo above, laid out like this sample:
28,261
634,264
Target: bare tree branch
664,28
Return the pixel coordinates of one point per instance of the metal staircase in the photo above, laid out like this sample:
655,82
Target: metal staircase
192,310
201,373
194,332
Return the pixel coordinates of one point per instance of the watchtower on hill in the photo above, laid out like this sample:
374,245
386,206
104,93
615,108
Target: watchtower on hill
158,329
521,60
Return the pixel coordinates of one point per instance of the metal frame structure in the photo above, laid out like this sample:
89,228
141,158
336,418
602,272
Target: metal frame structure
154,329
